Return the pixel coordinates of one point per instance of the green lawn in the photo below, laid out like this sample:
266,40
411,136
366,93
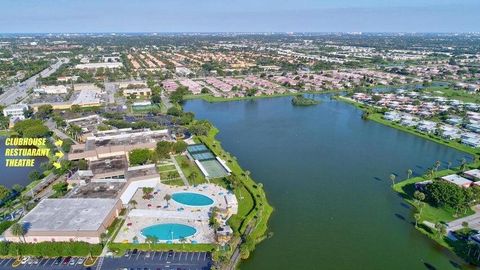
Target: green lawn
165,176
430,213
149,108
6,133
165,168
174,182
451,93
188,167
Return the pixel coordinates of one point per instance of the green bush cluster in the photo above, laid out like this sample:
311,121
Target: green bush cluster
50,249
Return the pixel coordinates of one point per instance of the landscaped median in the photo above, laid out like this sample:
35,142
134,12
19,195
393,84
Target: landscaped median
50,249
90,261
121,248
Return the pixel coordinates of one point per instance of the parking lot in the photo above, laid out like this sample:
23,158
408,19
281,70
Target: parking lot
136,260
160,260
42,264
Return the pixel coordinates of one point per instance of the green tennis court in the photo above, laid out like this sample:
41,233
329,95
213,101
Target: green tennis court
214,168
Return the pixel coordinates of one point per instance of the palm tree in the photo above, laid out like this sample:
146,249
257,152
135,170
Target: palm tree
150,239
103,238
441,229
420,196
392,177
409,173
167,198
147,192
192,176
430,174
10,209
463,164
18,230
24,202
183,240
132,204
416,216
437,165
420,207
449,164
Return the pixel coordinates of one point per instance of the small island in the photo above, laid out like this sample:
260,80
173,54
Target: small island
303,101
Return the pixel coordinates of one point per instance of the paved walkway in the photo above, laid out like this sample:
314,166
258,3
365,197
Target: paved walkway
58,132
473,221
180,172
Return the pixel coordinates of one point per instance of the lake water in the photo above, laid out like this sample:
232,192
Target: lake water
10,176
326,172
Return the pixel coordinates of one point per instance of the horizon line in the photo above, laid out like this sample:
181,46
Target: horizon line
242,32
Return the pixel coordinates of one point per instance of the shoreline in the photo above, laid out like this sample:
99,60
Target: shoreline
253,226
402,187
377,118
212,99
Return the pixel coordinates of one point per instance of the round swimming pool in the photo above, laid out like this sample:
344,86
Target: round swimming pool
169,231
192,199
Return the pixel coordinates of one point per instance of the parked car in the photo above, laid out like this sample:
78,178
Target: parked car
25,260
67,260
80,261
58,260
73,261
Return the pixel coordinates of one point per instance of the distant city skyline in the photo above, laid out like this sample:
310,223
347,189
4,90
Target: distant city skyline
72,16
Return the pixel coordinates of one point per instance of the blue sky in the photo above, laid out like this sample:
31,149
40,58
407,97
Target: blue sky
239,15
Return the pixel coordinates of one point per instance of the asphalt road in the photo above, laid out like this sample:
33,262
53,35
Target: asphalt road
18,92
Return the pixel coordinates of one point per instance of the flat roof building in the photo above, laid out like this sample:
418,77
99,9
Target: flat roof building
110,65
473,175
117,142
51,90
64,220
457,180
15,111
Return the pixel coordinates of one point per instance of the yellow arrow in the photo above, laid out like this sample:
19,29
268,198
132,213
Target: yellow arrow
57,165
59,143
59,154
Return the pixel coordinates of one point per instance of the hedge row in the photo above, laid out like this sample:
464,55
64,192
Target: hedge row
50,249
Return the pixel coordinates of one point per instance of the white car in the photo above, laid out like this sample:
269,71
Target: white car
25,260
80,261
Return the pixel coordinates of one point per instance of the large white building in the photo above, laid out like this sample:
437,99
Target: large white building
51,90
99,65
15,111
66,220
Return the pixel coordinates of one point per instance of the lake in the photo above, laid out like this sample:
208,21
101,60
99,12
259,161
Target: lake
16,175
326,173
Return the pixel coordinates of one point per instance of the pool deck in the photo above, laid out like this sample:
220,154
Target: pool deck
157,211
